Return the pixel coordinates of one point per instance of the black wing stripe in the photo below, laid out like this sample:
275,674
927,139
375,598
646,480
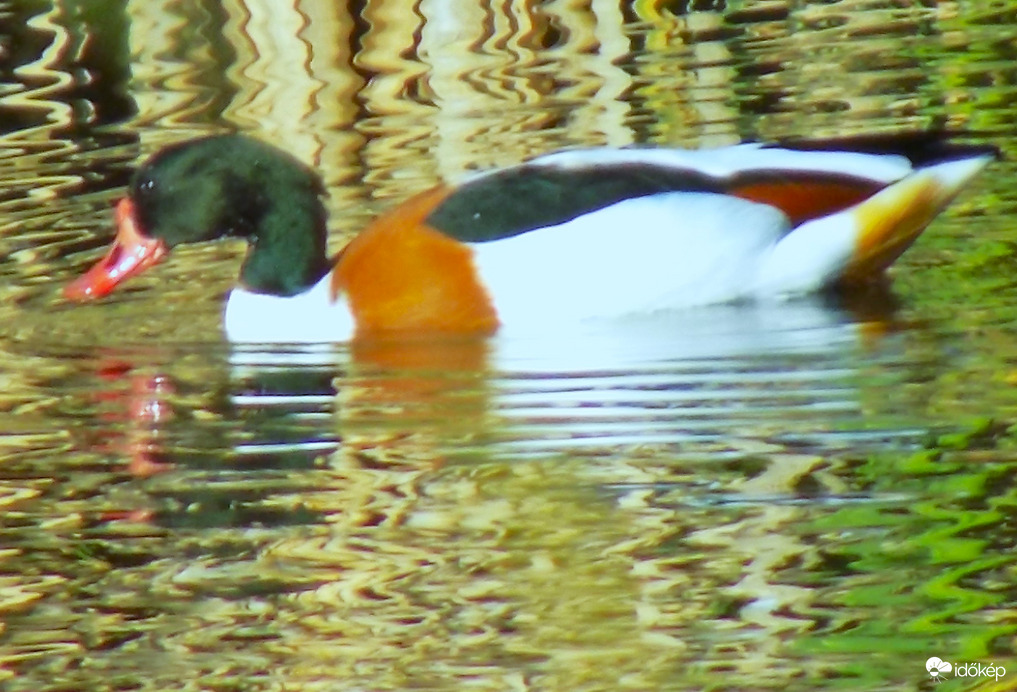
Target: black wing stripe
521,199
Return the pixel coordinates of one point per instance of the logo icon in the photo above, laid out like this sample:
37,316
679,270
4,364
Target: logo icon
937,667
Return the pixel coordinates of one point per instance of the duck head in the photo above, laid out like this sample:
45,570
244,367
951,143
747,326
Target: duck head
218,187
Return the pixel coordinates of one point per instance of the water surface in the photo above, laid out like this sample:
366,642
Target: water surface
802,496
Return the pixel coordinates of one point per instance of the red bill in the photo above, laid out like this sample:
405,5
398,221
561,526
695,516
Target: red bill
131,254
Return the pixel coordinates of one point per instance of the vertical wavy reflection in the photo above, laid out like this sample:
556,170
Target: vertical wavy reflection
818,498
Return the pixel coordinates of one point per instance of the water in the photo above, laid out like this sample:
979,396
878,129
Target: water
804,496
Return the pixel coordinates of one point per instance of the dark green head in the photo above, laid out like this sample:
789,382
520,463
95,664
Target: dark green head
231,185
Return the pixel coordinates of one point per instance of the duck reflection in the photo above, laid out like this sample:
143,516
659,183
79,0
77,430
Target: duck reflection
702,373
520,498
415,400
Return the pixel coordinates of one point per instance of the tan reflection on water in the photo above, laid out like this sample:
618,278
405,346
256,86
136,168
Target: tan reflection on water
292,73
423,568
46,96
430,90
481,62
512,573
451,86
428,551
23,153
165,74
439,566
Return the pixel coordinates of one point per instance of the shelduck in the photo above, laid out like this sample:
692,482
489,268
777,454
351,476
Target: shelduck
566,238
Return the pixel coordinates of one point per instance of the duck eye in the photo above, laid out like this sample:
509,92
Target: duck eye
145,186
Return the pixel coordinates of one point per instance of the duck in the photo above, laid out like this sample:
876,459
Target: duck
565,238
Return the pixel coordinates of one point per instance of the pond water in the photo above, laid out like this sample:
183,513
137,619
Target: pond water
805,496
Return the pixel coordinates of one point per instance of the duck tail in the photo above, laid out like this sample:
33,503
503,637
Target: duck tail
855,245
891,220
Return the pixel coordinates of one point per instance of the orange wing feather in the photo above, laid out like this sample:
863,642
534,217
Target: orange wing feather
802,200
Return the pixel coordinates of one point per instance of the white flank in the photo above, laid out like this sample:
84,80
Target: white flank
309,317
809,257
639,256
